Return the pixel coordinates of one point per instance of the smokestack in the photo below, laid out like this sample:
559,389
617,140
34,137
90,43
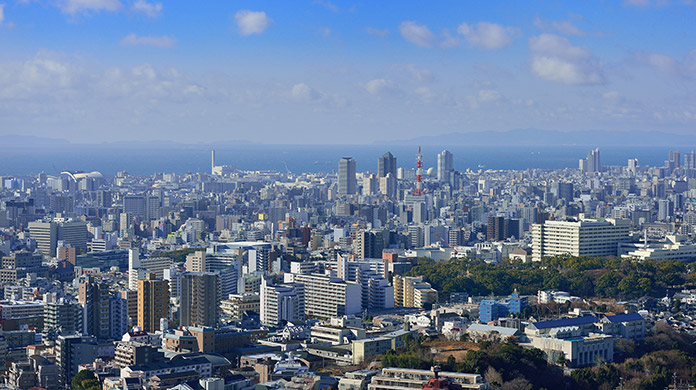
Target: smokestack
212,168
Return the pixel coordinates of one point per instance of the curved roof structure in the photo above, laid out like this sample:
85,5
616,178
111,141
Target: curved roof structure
83,175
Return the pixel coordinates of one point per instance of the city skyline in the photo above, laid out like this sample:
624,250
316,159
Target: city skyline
327,72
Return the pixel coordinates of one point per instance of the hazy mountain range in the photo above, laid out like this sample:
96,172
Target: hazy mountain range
518,137
537,137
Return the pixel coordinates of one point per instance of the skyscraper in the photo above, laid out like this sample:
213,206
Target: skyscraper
347,182
94,296
592,163
386,165
200,298
690,160
153,302
445,165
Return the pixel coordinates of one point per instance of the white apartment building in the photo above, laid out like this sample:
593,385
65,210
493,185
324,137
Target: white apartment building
586,237
326,297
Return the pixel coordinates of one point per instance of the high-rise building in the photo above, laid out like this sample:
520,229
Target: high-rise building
412,291
579,238
674,160
690,160
496,228
592,163
135,205
282,303
445,166
71,351
62,316
387,185
386,165
94,297
153,302
200,298
326,297
347,182
47,235
563,190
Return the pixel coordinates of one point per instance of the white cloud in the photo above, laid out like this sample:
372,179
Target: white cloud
252,22
448,40
134,40
637,3
304,92
612,96
488,95
2,13
381,87
663,63
567,28
554,58
383,33
326,4
417,34
563,27
488,35
415,74
325,31
73,7
152,10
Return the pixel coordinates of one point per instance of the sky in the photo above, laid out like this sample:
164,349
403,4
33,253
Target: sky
342,72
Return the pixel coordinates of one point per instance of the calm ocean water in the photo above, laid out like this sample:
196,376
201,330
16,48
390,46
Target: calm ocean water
294,158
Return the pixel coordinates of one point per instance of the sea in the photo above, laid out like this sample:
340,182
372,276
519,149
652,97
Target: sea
135,160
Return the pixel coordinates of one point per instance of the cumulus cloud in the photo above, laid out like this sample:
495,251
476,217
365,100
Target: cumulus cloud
487,35
381,87
73,7
382,33
134,40
554,58
304,92
418,34
2,13
668,65
252,22
152,10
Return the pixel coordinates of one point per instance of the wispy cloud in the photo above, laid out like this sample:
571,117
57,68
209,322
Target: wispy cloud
488,35
252,22
134,40
380,32
152,10
418,34
73,7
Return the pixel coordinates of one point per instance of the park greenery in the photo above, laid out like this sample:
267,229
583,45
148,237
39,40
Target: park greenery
648,364
85,380
582,276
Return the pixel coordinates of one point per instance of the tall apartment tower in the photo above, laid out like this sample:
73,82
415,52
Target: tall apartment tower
153,302
592,163
94,296
445,165
386,165
347,182
496,229
200,298
690,160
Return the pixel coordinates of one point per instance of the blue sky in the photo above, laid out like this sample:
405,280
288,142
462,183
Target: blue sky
323,72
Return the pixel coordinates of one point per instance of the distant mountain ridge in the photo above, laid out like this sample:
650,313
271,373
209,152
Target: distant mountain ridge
538,137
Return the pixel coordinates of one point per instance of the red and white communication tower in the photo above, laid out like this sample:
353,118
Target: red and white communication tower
419,174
